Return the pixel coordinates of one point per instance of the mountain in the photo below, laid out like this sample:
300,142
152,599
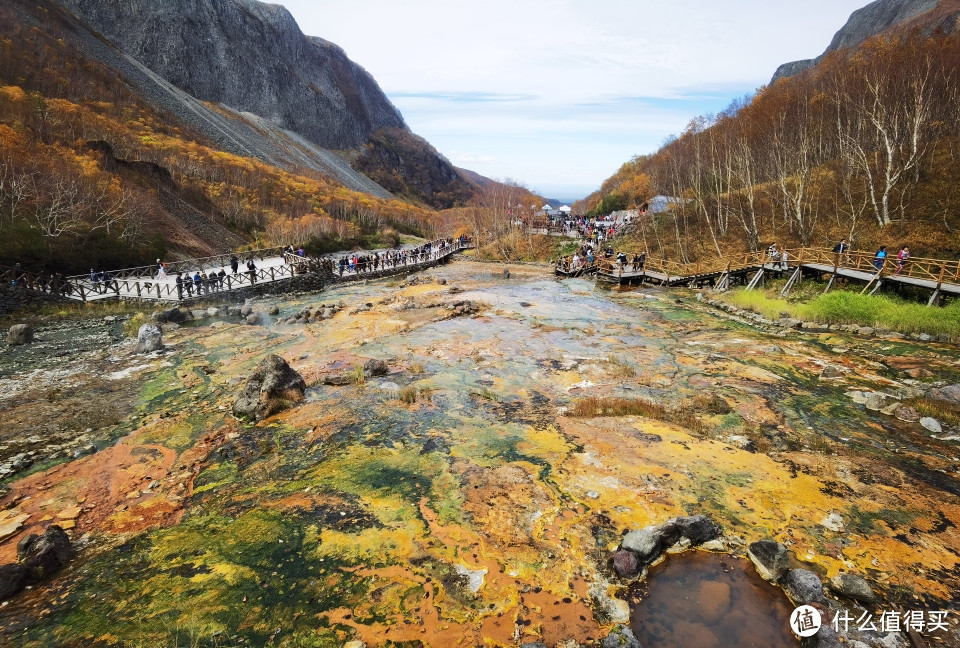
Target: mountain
879,17
242,73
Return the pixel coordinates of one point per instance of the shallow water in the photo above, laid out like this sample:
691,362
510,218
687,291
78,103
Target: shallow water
702,600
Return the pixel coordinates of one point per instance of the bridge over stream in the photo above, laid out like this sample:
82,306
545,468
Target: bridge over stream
269,266
936,277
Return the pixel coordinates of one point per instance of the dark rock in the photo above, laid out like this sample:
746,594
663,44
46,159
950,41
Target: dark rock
274,311
453,290
803,587
770,559
13,578
950,393
826,637
621,637
271,389
626,563
254,319
853,587
441,281
534,644
173,315
149,339
506,273
698,529
44,555
20,334
373,368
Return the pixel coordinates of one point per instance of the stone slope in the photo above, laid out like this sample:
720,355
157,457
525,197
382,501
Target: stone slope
871,20
251,57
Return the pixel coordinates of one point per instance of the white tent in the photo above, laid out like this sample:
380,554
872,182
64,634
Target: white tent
546,208
566,209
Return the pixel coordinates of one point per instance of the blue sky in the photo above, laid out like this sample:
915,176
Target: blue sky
557,94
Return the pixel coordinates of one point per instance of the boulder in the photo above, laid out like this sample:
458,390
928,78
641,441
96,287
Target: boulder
273,386
213,311
865,330
506,273
172,315
853,587
254,319
245,310
533,644
698,529
931,424
621,637
274,311
770,559
149,339
626,563
20,334
441,281
373,368
13,578
44,555
803,587
876,402
645,544
950,393
906,413
831,371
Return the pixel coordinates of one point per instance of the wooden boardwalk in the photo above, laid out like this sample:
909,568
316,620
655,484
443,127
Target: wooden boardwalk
269,265
935,277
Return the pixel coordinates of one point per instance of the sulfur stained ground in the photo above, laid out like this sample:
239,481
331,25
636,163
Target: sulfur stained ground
483,513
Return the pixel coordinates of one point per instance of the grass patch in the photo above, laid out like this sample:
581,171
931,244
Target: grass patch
486,394
411,395
417,368
845,307
359,378
946,413
611,406
132,326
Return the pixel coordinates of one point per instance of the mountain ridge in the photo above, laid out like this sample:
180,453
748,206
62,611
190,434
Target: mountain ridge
877,18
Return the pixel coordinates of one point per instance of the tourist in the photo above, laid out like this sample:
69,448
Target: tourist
179,285
161,270
880,257
198,282
252,271
839,249
902,257
221,276
234,263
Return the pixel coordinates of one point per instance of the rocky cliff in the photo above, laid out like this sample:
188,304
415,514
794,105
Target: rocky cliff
251,57
288,99
876,18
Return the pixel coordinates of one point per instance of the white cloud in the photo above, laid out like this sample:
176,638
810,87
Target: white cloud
524,75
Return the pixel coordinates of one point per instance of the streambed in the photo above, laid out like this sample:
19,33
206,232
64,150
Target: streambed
484,509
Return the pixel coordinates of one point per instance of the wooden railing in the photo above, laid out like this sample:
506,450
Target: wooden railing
142,283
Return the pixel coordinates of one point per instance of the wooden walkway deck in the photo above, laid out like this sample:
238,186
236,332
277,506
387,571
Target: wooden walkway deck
936,277
270,265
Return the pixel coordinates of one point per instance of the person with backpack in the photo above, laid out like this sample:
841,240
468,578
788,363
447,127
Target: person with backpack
838,250
880,258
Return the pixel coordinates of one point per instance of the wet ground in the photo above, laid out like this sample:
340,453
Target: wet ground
458,500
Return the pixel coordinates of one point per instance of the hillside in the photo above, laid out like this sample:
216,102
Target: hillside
861,146
94,172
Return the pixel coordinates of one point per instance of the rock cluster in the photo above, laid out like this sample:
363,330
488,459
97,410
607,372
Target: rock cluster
273,386
647,544
310,315
38,557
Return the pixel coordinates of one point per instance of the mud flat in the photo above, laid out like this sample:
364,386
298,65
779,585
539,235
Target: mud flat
468,496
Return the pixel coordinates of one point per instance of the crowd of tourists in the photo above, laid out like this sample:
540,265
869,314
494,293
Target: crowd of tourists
585,258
